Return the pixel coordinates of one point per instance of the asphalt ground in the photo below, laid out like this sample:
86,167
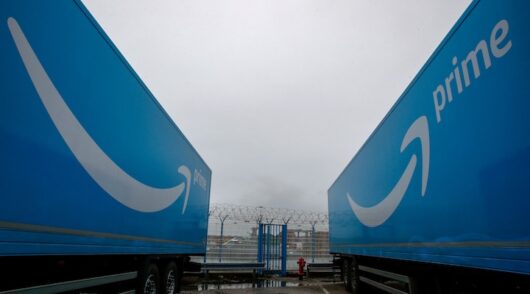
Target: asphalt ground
273,285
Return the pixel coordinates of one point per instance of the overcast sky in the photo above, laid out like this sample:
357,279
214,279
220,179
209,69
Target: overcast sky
277,96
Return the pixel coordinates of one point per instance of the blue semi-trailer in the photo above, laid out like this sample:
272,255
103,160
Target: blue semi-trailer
437,200
96,180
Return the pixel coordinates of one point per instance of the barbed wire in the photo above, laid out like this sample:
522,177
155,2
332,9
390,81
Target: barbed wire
266,215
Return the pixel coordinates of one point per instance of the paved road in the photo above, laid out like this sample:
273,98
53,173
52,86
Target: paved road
310,287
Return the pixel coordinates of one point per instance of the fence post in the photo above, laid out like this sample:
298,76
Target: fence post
313,242
222,219
284,250
260,245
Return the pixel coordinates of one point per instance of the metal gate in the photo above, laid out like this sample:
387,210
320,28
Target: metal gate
272,248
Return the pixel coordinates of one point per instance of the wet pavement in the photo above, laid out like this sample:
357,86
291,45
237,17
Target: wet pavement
273,285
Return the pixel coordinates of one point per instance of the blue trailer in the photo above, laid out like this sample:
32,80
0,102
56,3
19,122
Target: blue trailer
439,194
95,177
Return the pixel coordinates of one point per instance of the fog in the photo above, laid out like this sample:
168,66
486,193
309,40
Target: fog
276,96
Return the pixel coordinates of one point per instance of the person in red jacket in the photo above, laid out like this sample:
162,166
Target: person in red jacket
301,265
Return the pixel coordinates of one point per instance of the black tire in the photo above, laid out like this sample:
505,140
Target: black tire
170,279
355,279
149,280
342,270
352,282
347,272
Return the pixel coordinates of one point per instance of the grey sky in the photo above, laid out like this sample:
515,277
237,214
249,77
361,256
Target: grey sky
277,96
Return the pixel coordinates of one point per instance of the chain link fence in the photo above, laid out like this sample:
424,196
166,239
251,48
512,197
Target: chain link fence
233,233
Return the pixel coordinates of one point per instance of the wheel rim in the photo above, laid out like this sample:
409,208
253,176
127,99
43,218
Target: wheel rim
150,284
170,282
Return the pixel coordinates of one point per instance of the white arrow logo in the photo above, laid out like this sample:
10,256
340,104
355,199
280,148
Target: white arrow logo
115,181
379,213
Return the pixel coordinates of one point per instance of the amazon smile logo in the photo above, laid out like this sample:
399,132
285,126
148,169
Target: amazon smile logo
490,50
376,215
108,175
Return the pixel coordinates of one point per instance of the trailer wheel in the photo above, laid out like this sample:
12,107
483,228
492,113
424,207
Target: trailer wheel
170,279
351,275
346,267
149,280
355,280
342,270
346,275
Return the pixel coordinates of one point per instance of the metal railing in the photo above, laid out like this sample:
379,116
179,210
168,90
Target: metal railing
233,234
